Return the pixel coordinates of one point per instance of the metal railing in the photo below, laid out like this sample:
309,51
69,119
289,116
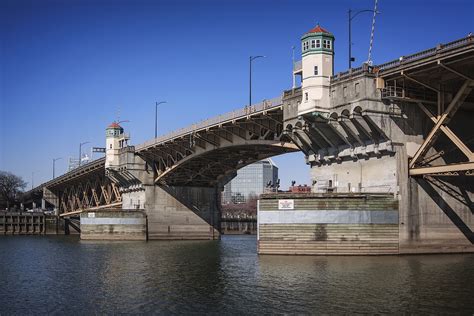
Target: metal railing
404,59
426,53
229,116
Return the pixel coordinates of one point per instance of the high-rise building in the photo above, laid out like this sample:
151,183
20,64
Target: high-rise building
250,181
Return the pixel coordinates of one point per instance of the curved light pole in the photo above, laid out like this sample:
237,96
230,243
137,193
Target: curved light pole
251,58
351,17
156,117
54,165
80,151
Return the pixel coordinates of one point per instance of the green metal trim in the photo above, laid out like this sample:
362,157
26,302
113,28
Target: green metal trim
318,35
323,51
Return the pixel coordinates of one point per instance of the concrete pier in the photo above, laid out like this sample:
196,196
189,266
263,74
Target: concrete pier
354,224
113,225
328,224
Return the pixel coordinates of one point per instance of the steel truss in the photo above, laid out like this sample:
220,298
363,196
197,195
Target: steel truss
419,165
93,192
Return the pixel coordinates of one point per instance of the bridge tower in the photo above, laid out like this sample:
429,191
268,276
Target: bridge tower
115,140
317,49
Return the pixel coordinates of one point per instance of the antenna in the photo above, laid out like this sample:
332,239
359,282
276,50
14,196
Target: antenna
369,59
118,114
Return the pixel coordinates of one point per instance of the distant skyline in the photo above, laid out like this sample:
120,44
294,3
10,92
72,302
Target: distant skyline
70,68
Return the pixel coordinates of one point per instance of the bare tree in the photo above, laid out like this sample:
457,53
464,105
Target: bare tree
10,188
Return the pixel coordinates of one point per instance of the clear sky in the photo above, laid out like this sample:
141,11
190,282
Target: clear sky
67,67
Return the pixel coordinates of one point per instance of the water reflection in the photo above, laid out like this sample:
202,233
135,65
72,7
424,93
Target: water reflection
65,275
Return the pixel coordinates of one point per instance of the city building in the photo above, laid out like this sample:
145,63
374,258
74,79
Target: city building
251,180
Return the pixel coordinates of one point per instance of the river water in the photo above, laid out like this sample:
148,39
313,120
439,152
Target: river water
63,275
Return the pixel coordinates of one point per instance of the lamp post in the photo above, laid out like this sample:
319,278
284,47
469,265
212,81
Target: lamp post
54,165
351,17
80,151
251,58
293,66
156,117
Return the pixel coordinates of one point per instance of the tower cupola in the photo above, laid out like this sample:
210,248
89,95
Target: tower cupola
113,130
317,41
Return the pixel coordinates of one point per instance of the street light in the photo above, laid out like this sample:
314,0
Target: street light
251,58
54,163
156,117
351,17
80,151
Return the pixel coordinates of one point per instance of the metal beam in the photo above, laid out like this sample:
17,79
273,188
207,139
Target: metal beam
450,134
444,119
454,71
451,168
419,82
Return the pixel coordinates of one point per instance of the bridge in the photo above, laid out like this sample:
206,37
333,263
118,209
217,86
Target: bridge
388,128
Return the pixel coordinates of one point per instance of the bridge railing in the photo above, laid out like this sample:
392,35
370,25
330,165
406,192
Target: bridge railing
405,59
236,114
427,53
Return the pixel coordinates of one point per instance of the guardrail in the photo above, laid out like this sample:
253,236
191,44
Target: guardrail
405,59
236,114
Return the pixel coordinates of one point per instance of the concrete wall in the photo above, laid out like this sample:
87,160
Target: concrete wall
113,225
361,175
172,212
328,224
182,212
177,212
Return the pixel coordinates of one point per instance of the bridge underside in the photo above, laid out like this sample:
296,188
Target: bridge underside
210,157
220,165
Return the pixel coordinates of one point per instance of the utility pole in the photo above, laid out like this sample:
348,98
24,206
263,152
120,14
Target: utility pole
293,66
80,151
54,165
251,58
350,18
156,117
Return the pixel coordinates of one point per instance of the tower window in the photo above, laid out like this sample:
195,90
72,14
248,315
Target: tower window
305,46
327,44
315,70
313,44
318,43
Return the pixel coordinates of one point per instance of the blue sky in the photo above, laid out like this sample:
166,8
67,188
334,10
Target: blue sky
68,67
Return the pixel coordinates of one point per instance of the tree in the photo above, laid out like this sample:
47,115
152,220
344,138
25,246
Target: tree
10,187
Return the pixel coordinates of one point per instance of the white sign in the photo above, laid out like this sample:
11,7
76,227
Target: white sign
90,214
286,204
